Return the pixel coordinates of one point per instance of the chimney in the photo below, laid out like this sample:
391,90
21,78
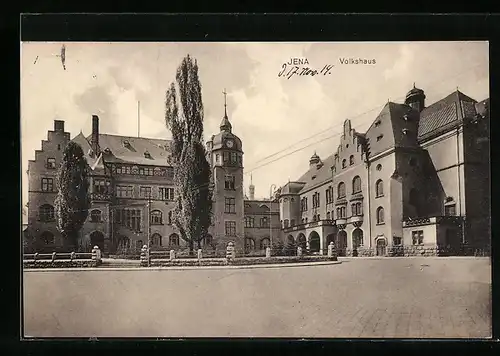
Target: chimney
59,125
94,141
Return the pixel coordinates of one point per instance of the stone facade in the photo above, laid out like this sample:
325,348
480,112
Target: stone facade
412,184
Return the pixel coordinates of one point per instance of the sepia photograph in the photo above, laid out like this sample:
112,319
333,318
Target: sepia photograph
256,189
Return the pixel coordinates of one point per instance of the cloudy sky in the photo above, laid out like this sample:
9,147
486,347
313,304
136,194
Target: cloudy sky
280,121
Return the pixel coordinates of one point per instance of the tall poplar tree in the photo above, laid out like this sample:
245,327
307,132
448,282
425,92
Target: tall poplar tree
72,201
184,118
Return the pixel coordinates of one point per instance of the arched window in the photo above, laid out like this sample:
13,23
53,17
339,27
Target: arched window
379,188
170,217
356,209
264,222
47,238
351,160
156,240
156,217
341,190
328,215
174,240
356,185
208,240
95,215
264,243
344,163
292,222
46,213
314,218
380,215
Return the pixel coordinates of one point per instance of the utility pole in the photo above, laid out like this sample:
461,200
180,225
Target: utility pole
270,216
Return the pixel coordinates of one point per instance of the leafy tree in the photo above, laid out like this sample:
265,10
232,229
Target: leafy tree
72,201
184,118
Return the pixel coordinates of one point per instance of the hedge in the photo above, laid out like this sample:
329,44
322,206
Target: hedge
60,264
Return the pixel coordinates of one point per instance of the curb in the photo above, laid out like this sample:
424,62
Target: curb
179,268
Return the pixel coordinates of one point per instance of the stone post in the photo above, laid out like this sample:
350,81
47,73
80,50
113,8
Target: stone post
35,256
268,252
96,255
144,256
230,252
72,256
330,249
172,254
199,254
53,256
299,251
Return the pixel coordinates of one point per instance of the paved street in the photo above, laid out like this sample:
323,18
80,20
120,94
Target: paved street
392,297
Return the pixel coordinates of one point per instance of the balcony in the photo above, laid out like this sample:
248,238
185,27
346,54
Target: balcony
356,218
342,221
100,197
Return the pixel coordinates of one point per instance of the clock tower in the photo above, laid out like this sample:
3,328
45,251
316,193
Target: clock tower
226,158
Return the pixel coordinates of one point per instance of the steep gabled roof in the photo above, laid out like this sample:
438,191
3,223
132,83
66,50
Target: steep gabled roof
125,149
316,176
445,113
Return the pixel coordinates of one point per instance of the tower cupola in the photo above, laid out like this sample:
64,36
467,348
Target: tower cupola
415,98
314,160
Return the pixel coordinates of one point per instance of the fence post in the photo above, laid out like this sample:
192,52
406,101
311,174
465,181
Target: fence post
299,251
200,254
35,256
144,256
230,253
96,255
268,252
53,256
330,249
172,254
72,256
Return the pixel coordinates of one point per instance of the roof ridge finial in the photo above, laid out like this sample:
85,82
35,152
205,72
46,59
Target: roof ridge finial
414,85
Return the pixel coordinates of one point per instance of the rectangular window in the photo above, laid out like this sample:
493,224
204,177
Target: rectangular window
51,163
264,222
230,228
145,192
417,237
124,191
230,206
166,193
47,184
450,210
229,183
292,222
101,186
234,157
396,241
131,218
225,156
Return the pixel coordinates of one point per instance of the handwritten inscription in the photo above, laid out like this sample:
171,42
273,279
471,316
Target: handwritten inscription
297,67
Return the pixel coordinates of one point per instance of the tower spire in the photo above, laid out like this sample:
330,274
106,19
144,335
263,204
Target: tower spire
225,102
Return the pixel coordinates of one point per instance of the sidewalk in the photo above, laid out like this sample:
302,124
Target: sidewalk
136,267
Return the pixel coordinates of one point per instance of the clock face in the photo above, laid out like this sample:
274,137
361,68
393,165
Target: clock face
229,143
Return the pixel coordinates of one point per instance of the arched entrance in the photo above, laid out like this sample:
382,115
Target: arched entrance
314,243
97,239
357,240
341,243
301,241
381,247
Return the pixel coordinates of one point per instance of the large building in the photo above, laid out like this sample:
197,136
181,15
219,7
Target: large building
416,182
132,195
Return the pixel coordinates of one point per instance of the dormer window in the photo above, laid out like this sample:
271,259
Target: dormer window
107,151
313,177
405,131
379,137
147,154
126,144
377,123
405,117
